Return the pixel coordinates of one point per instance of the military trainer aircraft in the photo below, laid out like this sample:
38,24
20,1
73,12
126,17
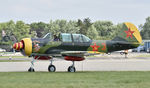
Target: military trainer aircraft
73,47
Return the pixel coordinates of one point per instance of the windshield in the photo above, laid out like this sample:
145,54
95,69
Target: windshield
85,38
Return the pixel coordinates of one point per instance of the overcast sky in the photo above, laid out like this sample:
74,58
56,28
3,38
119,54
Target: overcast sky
117,11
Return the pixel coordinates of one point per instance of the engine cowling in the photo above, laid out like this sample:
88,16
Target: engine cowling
25,46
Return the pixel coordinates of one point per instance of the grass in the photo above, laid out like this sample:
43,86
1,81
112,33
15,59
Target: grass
14,60
148,55
13,56
75,80
5,59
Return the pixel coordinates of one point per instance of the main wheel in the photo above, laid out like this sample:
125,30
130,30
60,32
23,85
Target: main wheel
51,68
122,53
31,69
71,69
109,53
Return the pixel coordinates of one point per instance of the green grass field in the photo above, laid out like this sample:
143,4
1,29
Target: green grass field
75,80
13,56
14,60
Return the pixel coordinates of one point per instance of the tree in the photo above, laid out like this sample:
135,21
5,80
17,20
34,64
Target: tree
92,32
21,30
145,29
71,27
39,27
62,26
105,29
84,25
8,28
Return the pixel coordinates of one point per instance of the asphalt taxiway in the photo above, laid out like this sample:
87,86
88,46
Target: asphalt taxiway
103,63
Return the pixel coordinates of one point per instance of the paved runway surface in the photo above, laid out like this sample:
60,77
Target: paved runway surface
113,62
87,65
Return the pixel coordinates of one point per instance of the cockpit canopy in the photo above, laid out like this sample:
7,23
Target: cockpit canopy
67,37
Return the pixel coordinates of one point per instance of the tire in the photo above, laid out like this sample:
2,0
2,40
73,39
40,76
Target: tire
122,53
71,69
31,70
51,68
109,53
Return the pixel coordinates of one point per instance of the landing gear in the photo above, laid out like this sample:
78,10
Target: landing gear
51,67
31,69
72,68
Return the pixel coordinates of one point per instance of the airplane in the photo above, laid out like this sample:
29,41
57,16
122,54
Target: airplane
74,47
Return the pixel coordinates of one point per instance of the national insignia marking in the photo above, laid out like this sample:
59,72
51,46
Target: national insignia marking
129,33
95,47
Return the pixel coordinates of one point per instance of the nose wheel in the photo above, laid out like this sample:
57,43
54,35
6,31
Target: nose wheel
72,68
31,69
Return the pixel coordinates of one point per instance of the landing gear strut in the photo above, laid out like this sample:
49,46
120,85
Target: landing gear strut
51,67
72,68
31,69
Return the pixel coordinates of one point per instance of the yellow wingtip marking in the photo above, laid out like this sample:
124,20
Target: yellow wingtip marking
136,31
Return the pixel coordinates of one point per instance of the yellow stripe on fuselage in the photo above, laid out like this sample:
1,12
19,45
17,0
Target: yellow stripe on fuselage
96,52
136,31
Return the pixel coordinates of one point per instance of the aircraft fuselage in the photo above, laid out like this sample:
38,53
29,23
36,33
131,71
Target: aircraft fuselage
55,47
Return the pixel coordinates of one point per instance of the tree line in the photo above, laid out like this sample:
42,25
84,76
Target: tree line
102,30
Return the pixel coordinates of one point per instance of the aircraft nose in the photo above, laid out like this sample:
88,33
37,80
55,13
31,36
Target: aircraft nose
18,46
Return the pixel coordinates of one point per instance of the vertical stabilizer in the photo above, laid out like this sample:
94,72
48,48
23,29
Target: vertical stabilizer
129,33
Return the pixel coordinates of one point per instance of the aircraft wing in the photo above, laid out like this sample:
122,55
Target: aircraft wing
78,53
74,53
68,53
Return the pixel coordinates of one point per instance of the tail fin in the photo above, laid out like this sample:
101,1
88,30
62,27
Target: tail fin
129,33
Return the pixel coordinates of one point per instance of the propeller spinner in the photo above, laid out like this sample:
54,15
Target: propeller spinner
18,46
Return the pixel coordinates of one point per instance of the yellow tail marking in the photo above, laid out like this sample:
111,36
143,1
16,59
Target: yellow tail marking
136,31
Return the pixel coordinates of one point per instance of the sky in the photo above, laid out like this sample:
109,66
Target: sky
117,11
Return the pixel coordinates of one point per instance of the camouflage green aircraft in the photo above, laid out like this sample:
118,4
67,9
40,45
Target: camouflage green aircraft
73,47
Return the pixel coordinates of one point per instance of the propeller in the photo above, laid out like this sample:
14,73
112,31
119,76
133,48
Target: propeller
18,46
